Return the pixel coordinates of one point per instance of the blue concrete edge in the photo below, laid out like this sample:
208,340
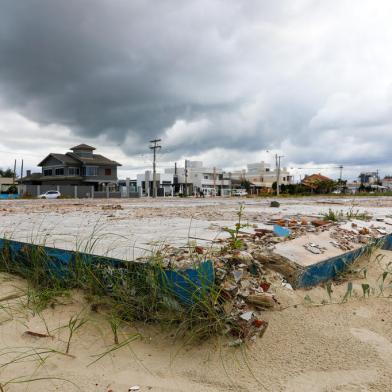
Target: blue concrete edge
330,268
185,284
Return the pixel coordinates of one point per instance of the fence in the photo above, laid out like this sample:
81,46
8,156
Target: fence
74,191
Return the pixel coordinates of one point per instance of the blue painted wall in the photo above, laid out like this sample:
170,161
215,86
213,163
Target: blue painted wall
330,268
186,285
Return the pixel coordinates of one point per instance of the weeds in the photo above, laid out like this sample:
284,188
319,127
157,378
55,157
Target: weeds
356,214
235,241
116,347
75,323
338,216
132,291
114,323
334,216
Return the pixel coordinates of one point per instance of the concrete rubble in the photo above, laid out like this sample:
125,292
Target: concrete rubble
247,276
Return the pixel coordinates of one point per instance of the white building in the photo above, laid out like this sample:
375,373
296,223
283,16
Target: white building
196,177
368,178
144,183
261,175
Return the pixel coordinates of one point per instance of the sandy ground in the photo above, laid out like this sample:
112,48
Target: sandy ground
315,344
142,225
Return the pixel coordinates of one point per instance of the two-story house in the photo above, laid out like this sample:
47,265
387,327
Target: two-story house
81,166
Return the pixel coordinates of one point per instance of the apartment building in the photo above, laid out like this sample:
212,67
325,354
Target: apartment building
261,175
194,178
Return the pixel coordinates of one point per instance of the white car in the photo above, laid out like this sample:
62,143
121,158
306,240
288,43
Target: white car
50,195
240,192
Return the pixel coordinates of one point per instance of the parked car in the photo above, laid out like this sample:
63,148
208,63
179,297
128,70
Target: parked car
50,195
240,192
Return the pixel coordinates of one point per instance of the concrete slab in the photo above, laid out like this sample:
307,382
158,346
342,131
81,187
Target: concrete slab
295,251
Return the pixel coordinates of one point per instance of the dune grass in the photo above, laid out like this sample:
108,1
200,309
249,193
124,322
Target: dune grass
129,292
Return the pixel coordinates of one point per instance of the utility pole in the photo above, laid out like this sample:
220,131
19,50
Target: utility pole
277,175
13,181
21,169
214,180
277,163
154,147
341,173
186,178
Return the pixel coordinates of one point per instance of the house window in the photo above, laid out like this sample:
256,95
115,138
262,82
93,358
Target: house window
47,172
206,177
59,172
73,171
91,171
108,172
267,169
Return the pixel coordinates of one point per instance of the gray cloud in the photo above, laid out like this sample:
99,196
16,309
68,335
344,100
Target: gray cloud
309,77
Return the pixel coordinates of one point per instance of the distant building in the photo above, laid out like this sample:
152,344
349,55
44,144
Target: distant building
79,167
164,181
368,178
197,178
6,183
262,176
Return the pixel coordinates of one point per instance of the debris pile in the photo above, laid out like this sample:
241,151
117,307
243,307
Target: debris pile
247,268
245,293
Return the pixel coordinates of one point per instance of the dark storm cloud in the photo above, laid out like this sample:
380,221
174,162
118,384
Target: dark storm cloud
241,75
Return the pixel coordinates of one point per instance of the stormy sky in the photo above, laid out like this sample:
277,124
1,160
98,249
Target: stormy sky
222,81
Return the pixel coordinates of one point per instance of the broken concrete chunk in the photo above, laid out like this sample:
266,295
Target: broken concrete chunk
220,273
243,257
229,287
311,247
287,285
238,275
319,222
246,316
261,299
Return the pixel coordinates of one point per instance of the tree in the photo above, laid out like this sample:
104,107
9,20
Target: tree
245,184
6,173
13,190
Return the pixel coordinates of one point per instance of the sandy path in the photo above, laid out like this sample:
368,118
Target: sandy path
337,347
